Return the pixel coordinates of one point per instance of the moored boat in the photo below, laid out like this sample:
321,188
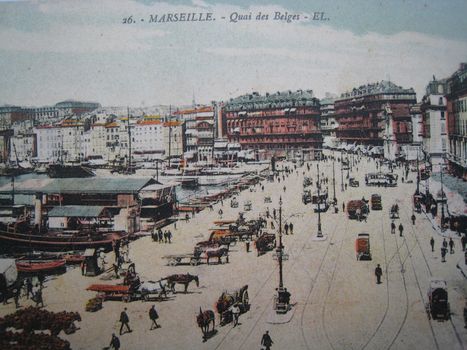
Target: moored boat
39,266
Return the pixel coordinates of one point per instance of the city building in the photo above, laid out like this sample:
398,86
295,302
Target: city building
376,115
284,124
456,100
434,129
328,122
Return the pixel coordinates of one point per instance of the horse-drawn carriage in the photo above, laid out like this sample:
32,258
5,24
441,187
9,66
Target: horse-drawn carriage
353,182
234,203
357,209
228,299
247,206
265,243
438,305
203,252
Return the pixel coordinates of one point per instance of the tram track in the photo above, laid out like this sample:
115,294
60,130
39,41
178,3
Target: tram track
458,337
313,281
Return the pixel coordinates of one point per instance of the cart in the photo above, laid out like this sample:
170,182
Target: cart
151,290
247,205
182,259
362,246
438,305
113,292
233,203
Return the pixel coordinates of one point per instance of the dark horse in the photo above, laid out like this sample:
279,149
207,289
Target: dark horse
184,279
217,253
204,319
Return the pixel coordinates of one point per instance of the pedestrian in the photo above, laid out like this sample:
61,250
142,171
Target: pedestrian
235,313
115,342
266,341
284,188
274,213
443,254
38,297
291,228
451,246
464,242
165,236
169,236
343,207
124,320
247,244
83,268
432,243
378,274
153,316
16,297
160,234
187,217
413,219
29,287
401,229
346,187
393,227
286,228
445,244
41,279
220,213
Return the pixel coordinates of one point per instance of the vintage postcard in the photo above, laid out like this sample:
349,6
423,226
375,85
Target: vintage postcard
206,174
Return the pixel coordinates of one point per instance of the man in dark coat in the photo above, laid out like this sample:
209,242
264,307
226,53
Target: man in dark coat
401,229
115,342
266,341
451,246
153,316
124,320
413,219
291,228
432,243
393,227
378,273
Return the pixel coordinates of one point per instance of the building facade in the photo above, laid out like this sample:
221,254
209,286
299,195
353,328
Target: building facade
376,115
282,124
456,99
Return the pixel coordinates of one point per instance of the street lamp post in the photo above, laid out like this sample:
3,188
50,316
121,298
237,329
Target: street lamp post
320,234
334,182
442,197
342,174
279,249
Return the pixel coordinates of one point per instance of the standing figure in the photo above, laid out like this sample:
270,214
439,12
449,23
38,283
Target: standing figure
443,254
124,320
115,342
393,227
451,246
291,228
266,341
235,314
153,316
378,274
401,229
286,228
413,219
432,243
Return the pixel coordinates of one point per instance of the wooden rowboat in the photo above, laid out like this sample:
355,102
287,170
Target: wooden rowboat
39,266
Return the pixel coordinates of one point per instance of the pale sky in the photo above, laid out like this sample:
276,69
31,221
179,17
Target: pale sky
56,50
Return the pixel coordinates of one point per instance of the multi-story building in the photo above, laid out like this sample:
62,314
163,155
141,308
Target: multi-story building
60,142
199,132
434,115
23,147
70,107
173,138
377,115
282,124
457,121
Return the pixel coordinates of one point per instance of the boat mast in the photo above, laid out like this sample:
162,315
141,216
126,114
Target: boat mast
170,132
129,140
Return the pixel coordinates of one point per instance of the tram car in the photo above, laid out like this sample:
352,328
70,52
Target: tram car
438,305
376,203
357,209
306,197
362,246
320,202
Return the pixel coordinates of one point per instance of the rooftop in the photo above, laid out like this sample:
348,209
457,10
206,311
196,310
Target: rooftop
383,86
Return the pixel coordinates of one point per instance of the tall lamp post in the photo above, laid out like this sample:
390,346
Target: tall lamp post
279,249
342,173
442,196
334,182
320,234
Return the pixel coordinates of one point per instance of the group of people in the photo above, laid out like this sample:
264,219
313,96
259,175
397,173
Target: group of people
161,236
31,291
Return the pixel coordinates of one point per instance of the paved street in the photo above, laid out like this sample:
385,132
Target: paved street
337,303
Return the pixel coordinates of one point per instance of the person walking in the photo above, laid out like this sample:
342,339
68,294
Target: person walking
274,213
343,207
393,227
115,342
235,313
29,287
443,254
169,236
378,274
266,341
291,228
413,219
401,229
16,297
247,244
220,213
153,316
124,320
38,298
165,236
451,246
286,228
445,244
161,235
432,243
464,242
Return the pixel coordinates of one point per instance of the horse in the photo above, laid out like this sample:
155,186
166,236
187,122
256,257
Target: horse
204,319
181,279
217,253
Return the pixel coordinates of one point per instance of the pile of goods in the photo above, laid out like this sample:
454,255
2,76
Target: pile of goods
33,319
32,341
94,304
